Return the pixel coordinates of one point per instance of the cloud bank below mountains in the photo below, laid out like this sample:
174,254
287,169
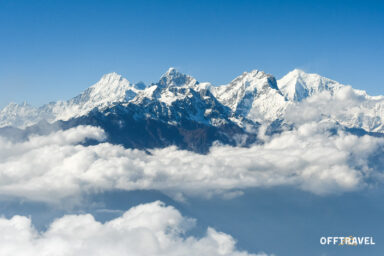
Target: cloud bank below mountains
147,229
54,167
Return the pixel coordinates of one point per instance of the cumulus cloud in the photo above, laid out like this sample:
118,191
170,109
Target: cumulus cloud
350,107
56,166
147,229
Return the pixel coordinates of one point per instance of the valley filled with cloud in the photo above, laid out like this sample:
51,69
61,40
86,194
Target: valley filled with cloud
57,166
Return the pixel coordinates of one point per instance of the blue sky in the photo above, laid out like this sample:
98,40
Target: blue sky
53,50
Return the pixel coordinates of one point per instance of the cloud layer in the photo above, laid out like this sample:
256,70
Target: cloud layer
56,166
147,229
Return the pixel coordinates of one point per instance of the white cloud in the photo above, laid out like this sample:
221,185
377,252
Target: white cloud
54,167
350,107
147,229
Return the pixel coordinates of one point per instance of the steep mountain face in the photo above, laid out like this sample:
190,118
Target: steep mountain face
173,78
331,100
179,110
131,126
298,85
253,95
110,89
179,97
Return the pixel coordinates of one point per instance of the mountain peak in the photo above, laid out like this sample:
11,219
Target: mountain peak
255,78
253,95
301,74
297,71
171,71
111,88
298,85
111,85
255,72
109,78
174,78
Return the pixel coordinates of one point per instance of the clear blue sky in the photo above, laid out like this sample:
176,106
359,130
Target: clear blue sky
53,49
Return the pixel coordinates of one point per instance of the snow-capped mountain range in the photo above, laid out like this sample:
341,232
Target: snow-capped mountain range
110,89
250,100
312,96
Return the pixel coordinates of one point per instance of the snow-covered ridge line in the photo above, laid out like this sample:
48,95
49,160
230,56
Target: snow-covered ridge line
111,88
255,95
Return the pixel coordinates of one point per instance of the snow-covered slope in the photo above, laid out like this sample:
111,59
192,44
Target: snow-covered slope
179,96
317,98
173,78
18,115
254,95
110,89
171,87
298,85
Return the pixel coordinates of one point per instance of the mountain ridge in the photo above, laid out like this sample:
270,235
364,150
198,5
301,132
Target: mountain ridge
253,97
